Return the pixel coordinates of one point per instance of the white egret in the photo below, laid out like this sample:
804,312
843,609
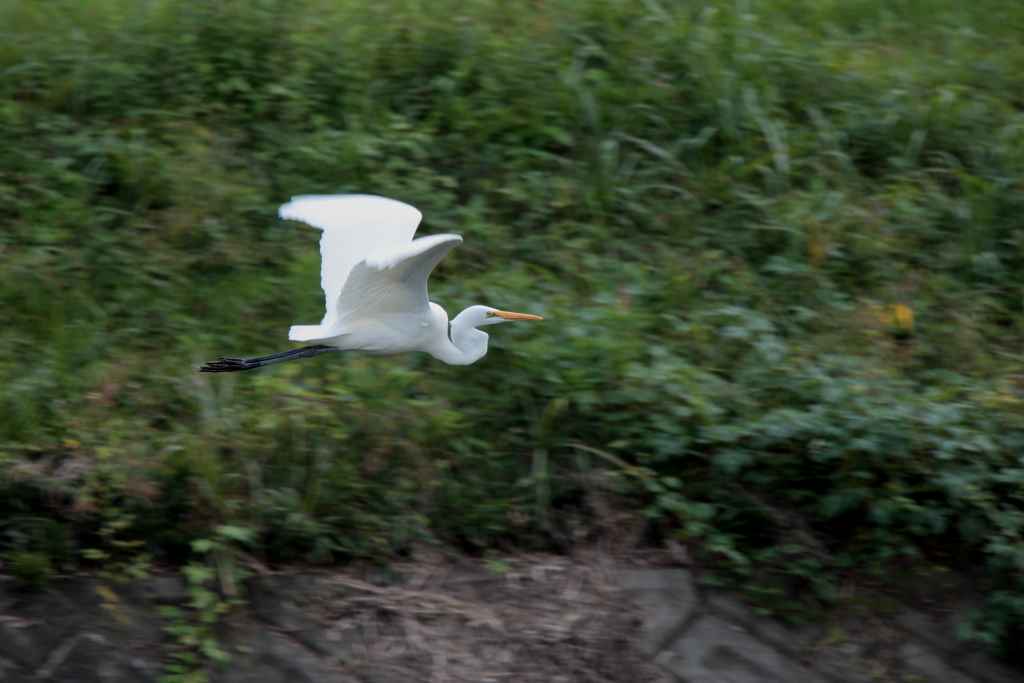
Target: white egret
374,275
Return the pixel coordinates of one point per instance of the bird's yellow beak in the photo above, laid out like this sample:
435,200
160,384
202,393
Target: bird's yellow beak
506,315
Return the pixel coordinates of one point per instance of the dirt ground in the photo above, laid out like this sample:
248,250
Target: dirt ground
544,618
547,618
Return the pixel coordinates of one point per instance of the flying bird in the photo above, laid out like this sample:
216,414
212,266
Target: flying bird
374,275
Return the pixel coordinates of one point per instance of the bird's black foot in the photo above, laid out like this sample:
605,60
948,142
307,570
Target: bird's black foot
234,364
229,365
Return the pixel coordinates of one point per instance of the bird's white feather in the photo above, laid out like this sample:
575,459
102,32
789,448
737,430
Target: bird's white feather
354,227
308,332
393,280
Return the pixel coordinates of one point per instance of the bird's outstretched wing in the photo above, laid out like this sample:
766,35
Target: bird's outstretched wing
355,226
393,280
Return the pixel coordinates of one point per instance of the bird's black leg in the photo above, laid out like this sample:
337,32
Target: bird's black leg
234,364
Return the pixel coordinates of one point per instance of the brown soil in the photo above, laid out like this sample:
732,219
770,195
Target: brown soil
554,619
528,618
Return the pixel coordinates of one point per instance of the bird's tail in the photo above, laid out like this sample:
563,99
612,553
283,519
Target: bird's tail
308,333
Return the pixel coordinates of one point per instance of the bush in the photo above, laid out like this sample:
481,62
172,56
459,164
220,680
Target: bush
777,249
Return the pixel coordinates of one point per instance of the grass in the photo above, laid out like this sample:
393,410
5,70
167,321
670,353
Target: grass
724,211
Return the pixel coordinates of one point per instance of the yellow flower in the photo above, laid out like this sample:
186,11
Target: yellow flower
899,317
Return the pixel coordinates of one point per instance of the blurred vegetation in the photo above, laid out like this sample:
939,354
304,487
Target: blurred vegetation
779,248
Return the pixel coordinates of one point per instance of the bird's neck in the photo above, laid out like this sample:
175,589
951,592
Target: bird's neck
467,345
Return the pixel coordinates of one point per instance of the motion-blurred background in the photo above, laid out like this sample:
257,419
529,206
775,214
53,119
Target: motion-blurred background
778,246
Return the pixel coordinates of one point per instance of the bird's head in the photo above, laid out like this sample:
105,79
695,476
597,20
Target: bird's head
485,315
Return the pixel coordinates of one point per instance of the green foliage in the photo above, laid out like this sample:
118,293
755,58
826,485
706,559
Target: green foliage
30,569
998,622
778,249
195,628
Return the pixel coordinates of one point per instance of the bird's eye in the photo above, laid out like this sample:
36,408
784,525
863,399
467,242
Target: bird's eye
491,314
